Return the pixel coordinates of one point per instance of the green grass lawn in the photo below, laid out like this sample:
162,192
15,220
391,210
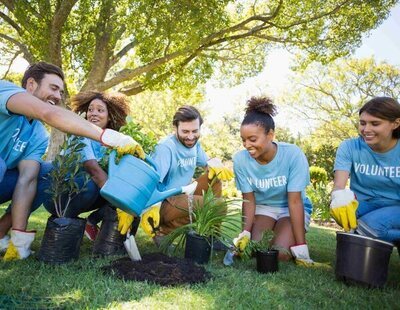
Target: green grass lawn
30,284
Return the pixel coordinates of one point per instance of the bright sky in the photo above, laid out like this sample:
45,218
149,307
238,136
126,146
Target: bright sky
383,43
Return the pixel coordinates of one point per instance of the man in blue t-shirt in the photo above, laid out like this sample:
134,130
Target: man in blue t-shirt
23,141
177,157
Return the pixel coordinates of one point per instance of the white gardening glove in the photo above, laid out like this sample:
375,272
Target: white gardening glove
124,144
20,245
131,248
343,208
241,241
112,138
4,242
189,189
216,168
302,256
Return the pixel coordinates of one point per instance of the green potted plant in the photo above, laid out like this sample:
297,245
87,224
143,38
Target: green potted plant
63,236
266,253
209,222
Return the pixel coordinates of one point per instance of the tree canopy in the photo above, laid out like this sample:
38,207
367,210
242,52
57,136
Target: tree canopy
332,95
131,46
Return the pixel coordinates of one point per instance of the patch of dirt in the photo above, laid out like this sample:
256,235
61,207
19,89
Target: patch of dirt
158,268
330,224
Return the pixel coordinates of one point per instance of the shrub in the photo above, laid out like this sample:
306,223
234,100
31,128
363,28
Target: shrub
320,194
318,175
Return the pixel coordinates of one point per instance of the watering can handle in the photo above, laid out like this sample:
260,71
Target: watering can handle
111,163
150,162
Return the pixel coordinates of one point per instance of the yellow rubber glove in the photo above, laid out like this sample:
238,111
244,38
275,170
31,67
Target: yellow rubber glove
302,257
216,168
242,241
19,246
343,208
125,221
133,149
150,220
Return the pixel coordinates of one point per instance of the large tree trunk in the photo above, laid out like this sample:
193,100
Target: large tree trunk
56,139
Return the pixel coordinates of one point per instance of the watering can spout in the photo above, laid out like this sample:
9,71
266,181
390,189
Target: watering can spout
158,196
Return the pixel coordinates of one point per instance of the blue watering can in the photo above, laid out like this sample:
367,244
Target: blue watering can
132,184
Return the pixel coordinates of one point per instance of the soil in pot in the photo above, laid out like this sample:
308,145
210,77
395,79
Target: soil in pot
267,261
197,248
61,240
362,260
158,268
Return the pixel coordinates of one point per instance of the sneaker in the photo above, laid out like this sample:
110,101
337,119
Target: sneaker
4,243
91,231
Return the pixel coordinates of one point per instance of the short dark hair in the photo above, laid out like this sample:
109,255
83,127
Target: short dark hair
385,108
38,70
186,113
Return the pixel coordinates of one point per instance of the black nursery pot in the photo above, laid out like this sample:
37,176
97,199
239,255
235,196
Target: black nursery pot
267,261
109,241
197,248
362,260
61,240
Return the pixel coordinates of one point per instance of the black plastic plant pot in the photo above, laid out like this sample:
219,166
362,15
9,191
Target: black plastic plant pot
267,261
61,240
197,248
109,241
362,260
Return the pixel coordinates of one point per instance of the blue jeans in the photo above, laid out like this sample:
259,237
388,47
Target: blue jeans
10,178
379,220
87,200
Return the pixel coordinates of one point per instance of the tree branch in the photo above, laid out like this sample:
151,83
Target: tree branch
27,55
11,22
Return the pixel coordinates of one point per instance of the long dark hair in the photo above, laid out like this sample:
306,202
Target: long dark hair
385,108
260,111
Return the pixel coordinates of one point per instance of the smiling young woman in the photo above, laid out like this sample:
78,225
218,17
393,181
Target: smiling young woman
372,163
272,177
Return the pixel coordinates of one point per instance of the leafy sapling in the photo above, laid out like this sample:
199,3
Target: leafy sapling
67,168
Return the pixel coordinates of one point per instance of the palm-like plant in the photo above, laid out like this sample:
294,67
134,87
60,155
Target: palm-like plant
210,219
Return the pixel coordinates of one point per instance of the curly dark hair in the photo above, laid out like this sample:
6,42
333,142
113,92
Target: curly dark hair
259,111
117,105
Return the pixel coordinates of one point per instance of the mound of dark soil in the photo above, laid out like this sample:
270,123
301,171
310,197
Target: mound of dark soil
158,268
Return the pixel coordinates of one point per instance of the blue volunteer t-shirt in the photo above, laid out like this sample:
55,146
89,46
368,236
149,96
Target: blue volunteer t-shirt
374,176
21,139
92,150
176,163
287,172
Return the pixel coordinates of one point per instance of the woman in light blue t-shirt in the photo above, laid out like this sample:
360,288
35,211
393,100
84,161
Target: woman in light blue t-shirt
106,110
272,177
372,162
